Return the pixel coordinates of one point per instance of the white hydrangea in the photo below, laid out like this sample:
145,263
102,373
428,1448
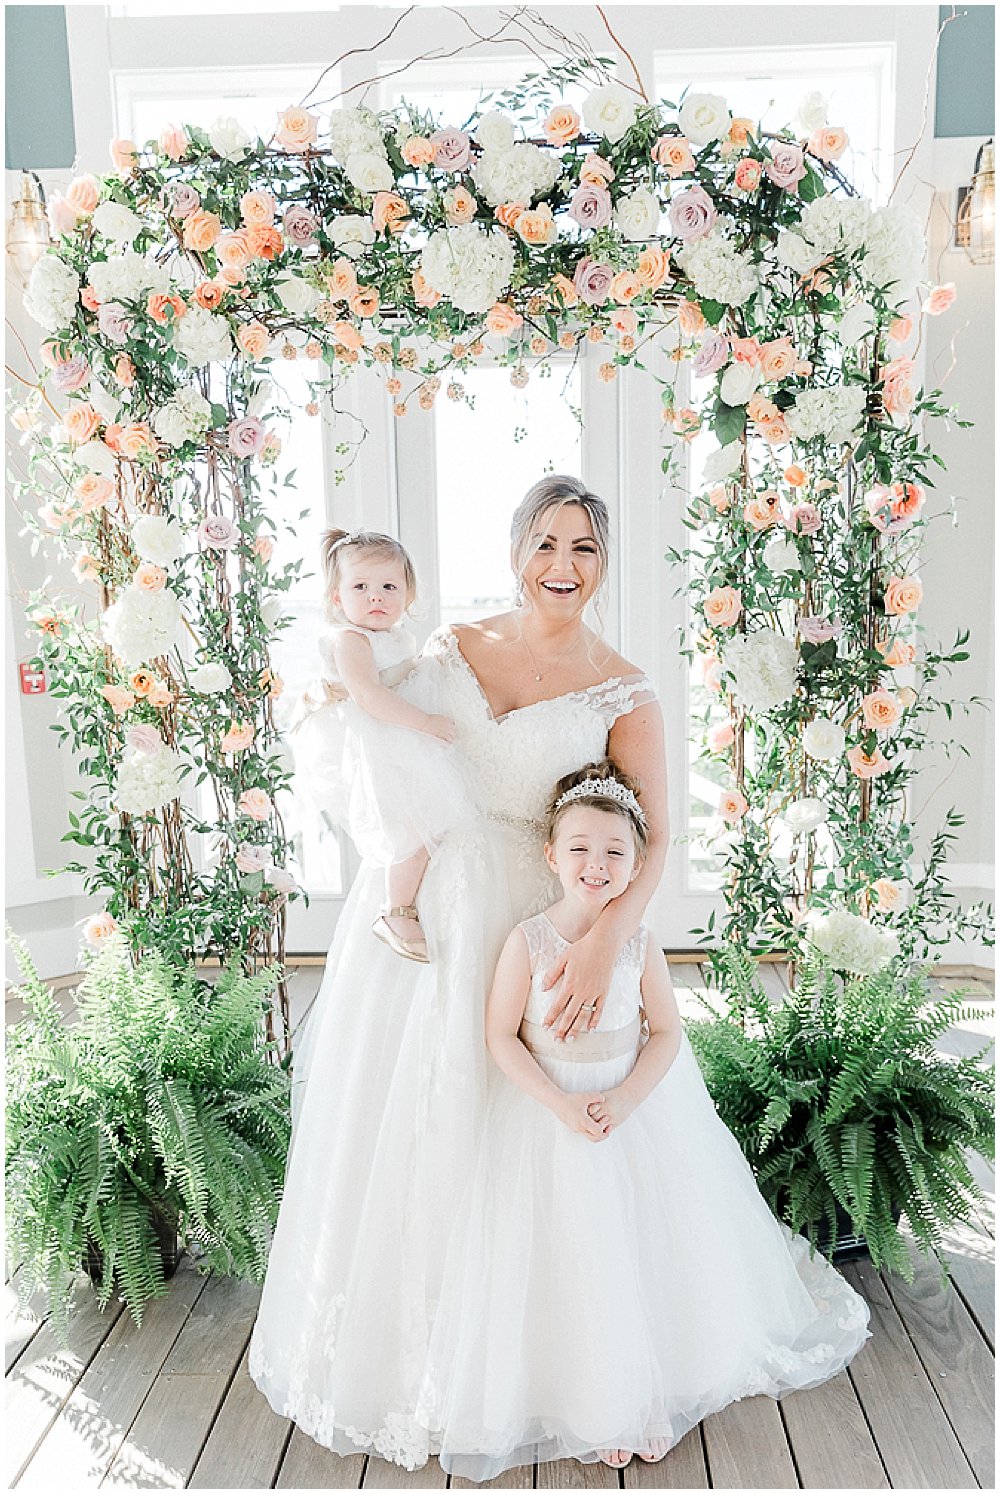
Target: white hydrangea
202,337
836,225
495,131
147,780
142,625
638,215
718,269
834,414
116,221
609,111
354,132
126,276
895,250
519,174
763,668
850,942
210,679
51,296
352,234
185,417
157,539
470,265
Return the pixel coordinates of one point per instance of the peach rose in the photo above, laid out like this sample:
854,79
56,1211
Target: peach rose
653,267
93,492
88,298
722,606
897,654
165,309
795,477
762,512
829,143
264,242
173,141
740,131
98,929
747,174
687,423
597,171
536,226
253,339
201,230
365,301
296,129
903,594
625,286
502,320
233,249
733,806
389,212
118,698
87,567
712,679
899,394
417,151
125,370
721,736
459,205
123,155
257,209
238,738
901,329
254,803
83,194
508,213
112,438
209,294
745,350
940,299
624,320
80,422
347,335
865,765
880,710
720,500
137,440
691,318
263,547
777,359
890,895
142,682
149,577
341,280
561,125
160,696
607,372
674,153
564,289
775,431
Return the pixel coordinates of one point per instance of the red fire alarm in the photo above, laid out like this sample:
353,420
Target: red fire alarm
32,680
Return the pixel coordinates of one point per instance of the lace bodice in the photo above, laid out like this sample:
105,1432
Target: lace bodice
517,758
390,647
546,945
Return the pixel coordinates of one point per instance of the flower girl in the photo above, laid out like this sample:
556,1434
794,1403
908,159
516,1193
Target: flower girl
373,757
615,1275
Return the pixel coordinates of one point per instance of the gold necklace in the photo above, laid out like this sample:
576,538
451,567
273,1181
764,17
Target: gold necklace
555,663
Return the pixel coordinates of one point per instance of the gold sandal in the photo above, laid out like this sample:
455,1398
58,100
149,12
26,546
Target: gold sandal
410,949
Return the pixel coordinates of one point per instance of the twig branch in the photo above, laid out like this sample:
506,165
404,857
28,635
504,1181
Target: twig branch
624,50
927,95
354,51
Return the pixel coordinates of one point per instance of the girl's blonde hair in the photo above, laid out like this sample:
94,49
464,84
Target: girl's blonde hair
599,772
553,492
337,544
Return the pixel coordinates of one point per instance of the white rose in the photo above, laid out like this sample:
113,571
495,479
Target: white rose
263,394
796,254
158,539
858,320
103,401
824,739
811,114
96,457
281,880
297,296
738,383
609,111
781,556
228,138
719,465
210,679
638,215
369,172
495,131
704,117
804,815
352,234
116,222
271,611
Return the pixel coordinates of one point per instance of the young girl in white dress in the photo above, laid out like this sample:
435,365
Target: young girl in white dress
615,1274
376,758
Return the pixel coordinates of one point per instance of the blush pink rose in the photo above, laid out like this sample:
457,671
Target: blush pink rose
880,710
115,323
300,225
733,806
787,166
296,129
868,765
590,206
804,518
451,149
173,141
83,194
281,880
592,281
747,174
899,393
721,736
180,200
941,298
238,738
98,929
217,532
62,216
250,859
71,376
711,355
255,803
722,607
144,738
819,629
246,437
118,698
692,214
903,594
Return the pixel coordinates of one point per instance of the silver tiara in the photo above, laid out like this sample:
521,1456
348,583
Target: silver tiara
604,788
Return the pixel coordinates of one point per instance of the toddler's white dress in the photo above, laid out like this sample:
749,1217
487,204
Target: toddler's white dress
596,1295
392,788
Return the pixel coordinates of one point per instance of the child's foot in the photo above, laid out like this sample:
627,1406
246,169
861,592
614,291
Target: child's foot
615,1457
400,929
655,1450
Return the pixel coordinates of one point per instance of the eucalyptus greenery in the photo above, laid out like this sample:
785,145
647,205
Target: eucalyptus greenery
157,1108
838,1096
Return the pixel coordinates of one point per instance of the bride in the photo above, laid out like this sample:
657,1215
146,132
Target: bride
391,1078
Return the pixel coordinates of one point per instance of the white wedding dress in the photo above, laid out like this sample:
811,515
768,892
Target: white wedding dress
390,1082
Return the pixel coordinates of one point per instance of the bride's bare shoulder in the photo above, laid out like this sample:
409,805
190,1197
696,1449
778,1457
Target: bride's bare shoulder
609,664
477,636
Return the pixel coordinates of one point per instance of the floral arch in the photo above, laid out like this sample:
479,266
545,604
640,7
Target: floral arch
421,247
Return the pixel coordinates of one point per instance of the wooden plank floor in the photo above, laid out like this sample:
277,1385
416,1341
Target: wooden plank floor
172,1405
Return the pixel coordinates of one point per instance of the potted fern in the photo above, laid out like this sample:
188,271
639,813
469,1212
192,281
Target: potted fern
156,1115
844,1109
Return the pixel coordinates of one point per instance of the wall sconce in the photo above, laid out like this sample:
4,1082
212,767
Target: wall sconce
975,229
28,228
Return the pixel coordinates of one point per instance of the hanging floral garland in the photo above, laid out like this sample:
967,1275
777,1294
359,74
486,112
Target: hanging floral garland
421,248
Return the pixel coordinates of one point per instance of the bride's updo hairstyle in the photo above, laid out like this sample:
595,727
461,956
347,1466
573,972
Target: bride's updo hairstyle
601,772
337,544
552,492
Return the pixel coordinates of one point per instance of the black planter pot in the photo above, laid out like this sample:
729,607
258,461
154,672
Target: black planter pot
167,1239
851,1246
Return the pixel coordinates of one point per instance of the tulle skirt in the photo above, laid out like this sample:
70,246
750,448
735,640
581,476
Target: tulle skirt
598,1295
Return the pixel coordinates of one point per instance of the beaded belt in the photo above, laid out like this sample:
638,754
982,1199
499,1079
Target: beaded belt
586,1047
517,822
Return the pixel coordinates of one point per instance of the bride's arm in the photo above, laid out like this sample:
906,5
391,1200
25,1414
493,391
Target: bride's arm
635,743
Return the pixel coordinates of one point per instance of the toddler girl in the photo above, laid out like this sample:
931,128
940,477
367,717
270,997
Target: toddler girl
615,1274
371,756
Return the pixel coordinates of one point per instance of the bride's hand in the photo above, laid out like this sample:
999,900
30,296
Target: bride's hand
585,970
